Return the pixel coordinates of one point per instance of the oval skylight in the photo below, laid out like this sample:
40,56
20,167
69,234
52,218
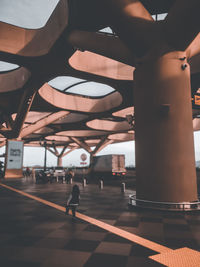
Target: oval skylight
27,14
63,82
91,89
80,87
5,66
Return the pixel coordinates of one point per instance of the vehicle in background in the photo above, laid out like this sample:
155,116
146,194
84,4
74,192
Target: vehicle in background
109,166
59,173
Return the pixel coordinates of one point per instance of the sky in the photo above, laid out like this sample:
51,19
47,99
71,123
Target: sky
35,155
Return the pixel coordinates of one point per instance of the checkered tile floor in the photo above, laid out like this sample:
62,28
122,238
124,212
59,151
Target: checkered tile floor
33,234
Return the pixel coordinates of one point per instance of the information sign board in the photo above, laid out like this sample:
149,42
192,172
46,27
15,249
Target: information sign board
14,155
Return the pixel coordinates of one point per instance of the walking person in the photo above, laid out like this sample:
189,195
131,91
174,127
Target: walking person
68,177
73,200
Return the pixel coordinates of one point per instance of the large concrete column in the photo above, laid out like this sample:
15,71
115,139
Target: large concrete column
165,163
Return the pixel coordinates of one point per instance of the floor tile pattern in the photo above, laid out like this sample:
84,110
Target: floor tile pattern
33,234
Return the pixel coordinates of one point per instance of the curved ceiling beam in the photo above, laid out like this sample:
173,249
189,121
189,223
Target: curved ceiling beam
107,125
76,103
26,100
23,109
44,131
194,48
33,116
71,118
182,24
13,80
133,23
124,112
42,123
106,45
36,42
57,138
82,133
81,144
69,151
99,65
55,152
23,106
122,137
101,145
135,26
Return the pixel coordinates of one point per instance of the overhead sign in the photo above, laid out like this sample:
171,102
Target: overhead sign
14,158
197,100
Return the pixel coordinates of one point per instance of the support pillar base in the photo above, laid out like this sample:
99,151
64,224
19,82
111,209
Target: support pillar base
167,206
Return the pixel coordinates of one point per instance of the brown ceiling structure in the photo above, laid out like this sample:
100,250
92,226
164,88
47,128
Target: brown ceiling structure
71,44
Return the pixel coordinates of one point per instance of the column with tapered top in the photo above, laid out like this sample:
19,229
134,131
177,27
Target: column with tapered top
165,163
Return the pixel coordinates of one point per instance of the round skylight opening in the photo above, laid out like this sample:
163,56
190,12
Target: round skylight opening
81,87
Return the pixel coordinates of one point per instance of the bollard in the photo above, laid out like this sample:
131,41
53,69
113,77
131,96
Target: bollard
101,184
70,181
123,187
57,178
84,182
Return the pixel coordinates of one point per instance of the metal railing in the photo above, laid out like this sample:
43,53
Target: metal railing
171,206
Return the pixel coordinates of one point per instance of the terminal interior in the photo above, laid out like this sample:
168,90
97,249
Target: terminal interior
86,74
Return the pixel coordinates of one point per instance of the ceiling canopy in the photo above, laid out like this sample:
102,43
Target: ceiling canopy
67,74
